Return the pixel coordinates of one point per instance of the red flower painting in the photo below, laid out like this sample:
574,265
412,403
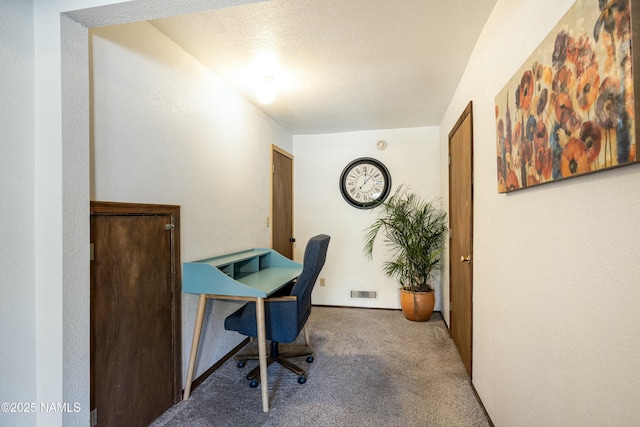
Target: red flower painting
571,105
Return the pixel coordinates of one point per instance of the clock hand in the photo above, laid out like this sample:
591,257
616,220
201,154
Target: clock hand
365,181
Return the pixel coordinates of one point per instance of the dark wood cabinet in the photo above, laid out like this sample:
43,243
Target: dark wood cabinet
135,312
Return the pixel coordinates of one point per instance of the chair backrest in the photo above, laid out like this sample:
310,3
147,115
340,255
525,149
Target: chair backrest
314,256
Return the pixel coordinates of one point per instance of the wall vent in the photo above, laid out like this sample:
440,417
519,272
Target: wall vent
364,294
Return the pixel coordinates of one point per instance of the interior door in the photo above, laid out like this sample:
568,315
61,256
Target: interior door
282,202
461,236
135,313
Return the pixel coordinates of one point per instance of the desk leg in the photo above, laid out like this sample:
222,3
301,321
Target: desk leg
262,353
306,335
197,327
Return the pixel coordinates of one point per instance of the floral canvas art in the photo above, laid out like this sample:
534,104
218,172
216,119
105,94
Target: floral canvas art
570,109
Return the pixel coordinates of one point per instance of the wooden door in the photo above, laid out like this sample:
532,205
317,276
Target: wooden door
135,312
282,202
461,237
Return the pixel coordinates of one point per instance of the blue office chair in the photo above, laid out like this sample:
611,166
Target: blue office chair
285,316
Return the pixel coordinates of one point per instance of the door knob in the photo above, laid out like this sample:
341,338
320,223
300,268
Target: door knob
466,259
292,240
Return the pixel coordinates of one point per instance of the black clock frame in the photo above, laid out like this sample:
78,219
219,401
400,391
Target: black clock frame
385,191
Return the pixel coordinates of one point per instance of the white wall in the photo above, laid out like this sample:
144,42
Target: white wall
166,130
61,190
412,157
17,136
554,342
556,327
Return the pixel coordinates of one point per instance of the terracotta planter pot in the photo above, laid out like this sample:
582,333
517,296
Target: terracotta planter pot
417,306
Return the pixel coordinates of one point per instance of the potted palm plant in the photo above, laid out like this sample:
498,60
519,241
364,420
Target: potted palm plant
415,231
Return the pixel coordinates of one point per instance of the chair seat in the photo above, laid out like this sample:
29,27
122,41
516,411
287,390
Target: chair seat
277,328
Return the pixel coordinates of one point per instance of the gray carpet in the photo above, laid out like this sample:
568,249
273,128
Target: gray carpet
372,367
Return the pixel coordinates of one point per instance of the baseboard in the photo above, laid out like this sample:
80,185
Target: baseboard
368,308
351,306
446,324
216,365
473,387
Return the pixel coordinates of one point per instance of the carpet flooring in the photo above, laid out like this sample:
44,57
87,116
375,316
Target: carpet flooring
371,368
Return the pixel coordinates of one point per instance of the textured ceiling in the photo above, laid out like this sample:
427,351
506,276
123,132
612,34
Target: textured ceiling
339,65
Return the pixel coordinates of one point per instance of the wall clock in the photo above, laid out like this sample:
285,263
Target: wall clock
365,183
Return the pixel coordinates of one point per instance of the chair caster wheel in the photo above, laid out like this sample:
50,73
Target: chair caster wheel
302,380
309,359
253,384
241,364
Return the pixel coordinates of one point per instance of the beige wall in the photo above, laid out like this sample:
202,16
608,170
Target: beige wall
17,278
412,157
61,190
555,267
555,324
166,130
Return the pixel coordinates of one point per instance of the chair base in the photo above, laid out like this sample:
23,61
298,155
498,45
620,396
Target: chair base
291,350
284,350
278,357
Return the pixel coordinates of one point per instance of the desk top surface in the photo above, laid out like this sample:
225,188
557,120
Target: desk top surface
271,279
250,273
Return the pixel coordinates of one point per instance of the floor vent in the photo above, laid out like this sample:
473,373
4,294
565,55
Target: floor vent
364,294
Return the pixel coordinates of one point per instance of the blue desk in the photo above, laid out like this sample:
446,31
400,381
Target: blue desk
250,275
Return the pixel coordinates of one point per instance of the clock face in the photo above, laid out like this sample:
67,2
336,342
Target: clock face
365,183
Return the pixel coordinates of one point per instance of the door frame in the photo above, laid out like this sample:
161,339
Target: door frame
468,112
121,208
275,148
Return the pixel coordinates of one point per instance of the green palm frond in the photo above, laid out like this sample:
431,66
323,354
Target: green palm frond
414,231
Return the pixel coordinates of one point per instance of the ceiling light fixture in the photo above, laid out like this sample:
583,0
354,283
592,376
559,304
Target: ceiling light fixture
265,91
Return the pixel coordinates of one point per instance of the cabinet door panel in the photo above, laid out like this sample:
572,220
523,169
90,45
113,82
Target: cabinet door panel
133,366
